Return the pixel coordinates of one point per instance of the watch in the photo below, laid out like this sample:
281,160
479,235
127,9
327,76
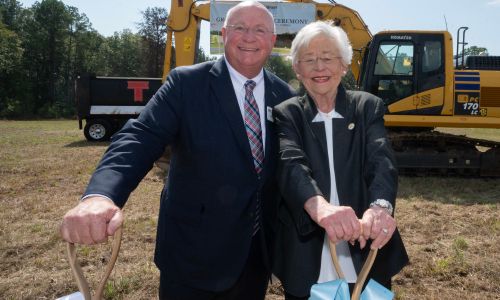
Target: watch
383,204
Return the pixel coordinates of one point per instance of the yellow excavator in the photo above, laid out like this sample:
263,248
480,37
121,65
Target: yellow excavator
413,72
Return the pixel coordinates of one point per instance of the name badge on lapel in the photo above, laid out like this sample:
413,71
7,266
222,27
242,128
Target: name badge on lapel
269,114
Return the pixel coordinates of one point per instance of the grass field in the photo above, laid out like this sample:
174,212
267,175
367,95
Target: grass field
450,225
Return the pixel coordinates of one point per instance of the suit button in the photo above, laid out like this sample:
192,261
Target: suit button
251,214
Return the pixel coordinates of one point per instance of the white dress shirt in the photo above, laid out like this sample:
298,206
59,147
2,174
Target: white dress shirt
327,271
239,81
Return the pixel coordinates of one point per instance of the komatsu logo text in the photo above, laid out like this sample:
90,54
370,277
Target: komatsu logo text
400,37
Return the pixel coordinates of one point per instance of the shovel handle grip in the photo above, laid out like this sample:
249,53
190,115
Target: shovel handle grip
361,276
77,271
364,274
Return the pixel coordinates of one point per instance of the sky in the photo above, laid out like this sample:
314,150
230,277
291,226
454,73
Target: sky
481,16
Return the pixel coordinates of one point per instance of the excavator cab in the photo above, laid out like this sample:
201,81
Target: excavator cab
414,74
406,70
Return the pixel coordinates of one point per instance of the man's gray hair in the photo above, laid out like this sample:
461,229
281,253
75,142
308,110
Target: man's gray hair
321,28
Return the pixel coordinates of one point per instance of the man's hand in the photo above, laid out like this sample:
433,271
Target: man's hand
378,225
339,222
91,221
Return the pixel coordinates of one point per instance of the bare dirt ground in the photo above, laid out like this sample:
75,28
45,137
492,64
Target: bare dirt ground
450,225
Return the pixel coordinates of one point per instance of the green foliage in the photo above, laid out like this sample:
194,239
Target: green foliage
495,225
460,244
201,56
110,292
45,47
122,54
152,29
11,53
10,50
116,289
282,67
475,50
46,63
11,107
442,265
10,11
36,228
84,251
456,262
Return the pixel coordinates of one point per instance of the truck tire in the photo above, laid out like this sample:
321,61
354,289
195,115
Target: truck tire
97,130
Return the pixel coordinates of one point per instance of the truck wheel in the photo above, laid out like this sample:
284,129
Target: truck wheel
97,130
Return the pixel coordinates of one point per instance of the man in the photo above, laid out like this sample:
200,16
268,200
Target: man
219,200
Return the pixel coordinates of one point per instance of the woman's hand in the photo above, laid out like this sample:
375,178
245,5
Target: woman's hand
378,225
339,222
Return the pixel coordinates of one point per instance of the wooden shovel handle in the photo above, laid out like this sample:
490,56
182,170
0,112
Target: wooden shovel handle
335,260
364,274
83,285
361,276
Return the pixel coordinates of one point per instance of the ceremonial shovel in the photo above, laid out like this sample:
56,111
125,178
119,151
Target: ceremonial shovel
83,286
339,289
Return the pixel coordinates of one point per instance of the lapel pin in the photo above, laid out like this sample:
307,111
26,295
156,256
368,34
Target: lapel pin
351,126
269,114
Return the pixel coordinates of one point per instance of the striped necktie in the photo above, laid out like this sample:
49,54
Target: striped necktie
252,125
254,133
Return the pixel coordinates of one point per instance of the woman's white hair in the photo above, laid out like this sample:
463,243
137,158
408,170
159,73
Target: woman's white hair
318,28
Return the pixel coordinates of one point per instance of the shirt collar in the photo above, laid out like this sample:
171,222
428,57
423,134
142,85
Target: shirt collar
321,116
240,79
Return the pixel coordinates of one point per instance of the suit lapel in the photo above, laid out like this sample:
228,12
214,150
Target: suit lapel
341,135
342,132
317,128
271,98
223,89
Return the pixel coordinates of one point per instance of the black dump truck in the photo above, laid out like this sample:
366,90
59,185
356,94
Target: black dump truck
107,103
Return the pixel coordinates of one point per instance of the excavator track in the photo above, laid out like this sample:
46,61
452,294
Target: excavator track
435,153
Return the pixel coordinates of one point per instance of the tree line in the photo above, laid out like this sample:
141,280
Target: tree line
43,49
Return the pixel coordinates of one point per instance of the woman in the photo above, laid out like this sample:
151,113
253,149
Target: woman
337,172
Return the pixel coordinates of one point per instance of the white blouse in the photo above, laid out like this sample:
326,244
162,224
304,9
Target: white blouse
327,271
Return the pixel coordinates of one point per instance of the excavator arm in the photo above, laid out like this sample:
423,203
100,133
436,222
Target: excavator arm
183,32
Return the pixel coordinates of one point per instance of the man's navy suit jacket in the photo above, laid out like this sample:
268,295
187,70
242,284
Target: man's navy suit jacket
208,203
